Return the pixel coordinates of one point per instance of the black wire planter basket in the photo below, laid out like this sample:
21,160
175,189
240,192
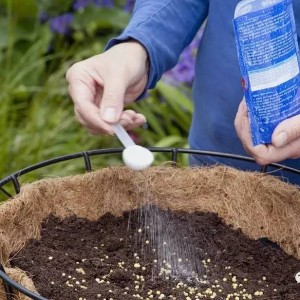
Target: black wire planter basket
9,284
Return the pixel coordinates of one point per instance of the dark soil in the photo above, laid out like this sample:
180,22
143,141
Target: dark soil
123,258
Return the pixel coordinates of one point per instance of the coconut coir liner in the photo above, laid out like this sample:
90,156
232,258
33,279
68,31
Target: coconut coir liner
259,204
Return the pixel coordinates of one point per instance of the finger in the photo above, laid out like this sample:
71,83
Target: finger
83,91
266,154
243,108
84,123
140,119
112,102
286,132
240,116
91,130
130,114
89,113
79,118
263,154
271,154
125,122
133,126
243,131
136,117
132,119
99,95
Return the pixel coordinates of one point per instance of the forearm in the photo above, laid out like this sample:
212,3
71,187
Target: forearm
164,28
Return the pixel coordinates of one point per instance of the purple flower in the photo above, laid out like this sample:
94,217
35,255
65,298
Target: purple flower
61,24
129,5
184,71
81,4
106,3
43,17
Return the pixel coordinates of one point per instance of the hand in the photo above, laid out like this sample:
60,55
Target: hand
101,85
285,139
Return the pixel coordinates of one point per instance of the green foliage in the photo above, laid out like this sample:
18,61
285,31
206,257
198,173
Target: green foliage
17,22
96,18
27,10
168,113
36,115
54,7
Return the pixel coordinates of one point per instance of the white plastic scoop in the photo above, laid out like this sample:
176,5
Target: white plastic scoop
297,277
134,156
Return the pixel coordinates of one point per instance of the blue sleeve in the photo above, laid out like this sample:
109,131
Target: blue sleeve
165,28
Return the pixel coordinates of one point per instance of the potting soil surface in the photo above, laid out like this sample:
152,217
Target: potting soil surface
120,258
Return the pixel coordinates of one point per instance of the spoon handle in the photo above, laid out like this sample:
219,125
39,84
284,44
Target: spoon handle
123,136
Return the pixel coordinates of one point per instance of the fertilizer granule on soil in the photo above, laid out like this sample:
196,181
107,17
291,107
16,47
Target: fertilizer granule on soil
117,258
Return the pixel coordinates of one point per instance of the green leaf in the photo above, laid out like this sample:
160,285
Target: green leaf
171,141
55,7
94,18
174,95
4,32
21,10
25,30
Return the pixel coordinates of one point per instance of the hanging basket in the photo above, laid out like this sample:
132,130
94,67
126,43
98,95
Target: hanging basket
260,204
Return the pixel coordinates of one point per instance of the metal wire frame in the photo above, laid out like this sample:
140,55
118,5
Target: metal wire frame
10,284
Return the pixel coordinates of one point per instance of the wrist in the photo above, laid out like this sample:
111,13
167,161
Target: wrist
140,52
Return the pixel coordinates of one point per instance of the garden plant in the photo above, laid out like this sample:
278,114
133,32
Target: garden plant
39,41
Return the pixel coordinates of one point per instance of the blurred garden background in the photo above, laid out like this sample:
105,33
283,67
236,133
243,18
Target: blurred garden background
39,40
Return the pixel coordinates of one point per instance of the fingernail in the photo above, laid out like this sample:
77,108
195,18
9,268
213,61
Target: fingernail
280,139
109,114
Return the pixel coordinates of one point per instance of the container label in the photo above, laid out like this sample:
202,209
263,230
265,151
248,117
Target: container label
268,55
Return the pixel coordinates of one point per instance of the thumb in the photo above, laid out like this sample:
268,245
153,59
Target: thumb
286,132
112,102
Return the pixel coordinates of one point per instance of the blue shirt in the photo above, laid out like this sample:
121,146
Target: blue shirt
165,28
